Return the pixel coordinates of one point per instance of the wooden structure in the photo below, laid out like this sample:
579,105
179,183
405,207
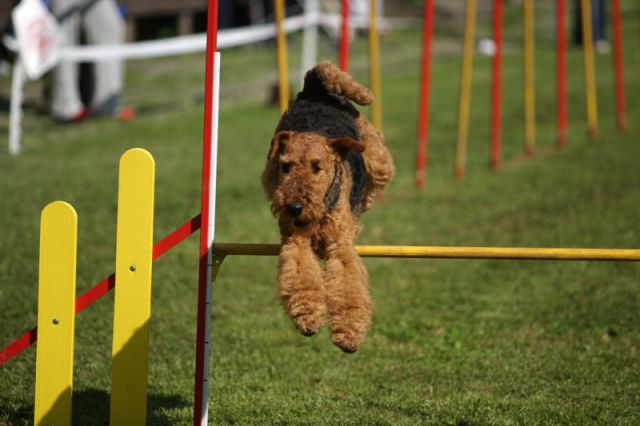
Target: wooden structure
184,12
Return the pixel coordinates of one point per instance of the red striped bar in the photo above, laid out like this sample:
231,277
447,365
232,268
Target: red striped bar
95,292
19,345
188,228
102,288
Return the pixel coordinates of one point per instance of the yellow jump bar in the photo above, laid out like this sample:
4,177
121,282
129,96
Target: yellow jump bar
442,252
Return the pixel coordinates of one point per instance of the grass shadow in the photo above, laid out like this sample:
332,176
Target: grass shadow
91,408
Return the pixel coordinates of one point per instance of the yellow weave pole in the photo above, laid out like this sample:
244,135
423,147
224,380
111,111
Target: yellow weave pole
283,75
589,68
444,252
529,77
56,314
465,87
132,305
374,64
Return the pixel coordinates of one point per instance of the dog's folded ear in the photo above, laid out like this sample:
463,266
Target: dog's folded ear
277,141
344,145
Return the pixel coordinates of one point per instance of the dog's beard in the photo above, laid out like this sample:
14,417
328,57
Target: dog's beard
299,223
304,221
314,208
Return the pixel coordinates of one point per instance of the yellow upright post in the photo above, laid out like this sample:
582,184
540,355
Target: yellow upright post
589,68
283,75
465,87
56,314
374,64
132,308
529,77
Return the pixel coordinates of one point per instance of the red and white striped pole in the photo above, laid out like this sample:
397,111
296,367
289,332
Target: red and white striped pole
561,72
496,86
344,37
621,117
207,215
425,89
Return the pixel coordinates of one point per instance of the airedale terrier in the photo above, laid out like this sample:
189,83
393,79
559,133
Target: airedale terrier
324,168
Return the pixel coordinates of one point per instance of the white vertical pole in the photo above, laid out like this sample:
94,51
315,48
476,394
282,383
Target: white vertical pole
310,40
211,234
15,109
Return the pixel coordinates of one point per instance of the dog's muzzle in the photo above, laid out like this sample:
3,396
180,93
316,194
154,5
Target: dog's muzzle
295,210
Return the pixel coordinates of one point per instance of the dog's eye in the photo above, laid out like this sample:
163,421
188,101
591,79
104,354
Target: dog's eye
315,166
285,167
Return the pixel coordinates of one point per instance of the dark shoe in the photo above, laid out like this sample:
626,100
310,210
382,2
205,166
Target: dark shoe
112,108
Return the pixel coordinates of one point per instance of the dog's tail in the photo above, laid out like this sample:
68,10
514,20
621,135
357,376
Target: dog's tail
327,77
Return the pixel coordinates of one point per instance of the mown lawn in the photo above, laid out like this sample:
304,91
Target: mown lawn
452,342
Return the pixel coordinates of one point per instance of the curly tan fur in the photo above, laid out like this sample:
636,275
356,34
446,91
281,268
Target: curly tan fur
312,181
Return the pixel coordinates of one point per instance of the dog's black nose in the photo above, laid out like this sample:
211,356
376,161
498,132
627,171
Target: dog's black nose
294,209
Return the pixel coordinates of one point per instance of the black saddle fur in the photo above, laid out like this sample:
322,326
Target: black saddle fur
333,116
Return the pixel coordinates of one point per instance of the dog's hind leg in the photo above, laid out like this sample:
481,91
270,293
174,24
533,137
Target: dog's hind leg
348,300
377,159
301,285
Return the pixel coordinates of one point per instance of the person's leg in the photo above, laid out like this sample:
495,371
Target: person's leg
596,20
104,25
599,26
66,104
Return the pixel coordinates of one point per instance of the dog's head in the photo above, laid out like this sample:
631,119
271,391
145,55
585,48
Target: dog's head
304,174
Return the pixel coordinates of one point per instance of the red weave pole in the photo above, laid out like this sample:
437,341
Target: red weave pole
102,288
561,72
496,86
344,37
199,406
425,88
619,65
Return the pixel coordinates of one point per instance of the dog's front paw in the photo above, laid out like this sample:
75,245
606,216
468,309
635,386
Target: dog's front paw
301,288
309,323
307,310
348,341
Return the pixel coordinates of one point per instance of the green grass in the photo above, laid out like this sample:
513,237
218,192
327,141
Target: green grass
453,342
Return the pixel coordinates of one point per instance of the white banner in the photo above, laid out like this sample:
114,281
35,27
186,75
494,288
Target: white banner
37,34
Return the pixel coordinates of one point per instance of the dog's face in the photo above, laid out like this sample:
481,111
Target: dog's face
303,177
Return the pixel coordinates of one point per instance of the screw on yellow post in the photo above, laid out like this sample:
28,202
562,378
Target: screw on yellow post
589,68
132,305
374,64
56,314
529,77
283,75
465,87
